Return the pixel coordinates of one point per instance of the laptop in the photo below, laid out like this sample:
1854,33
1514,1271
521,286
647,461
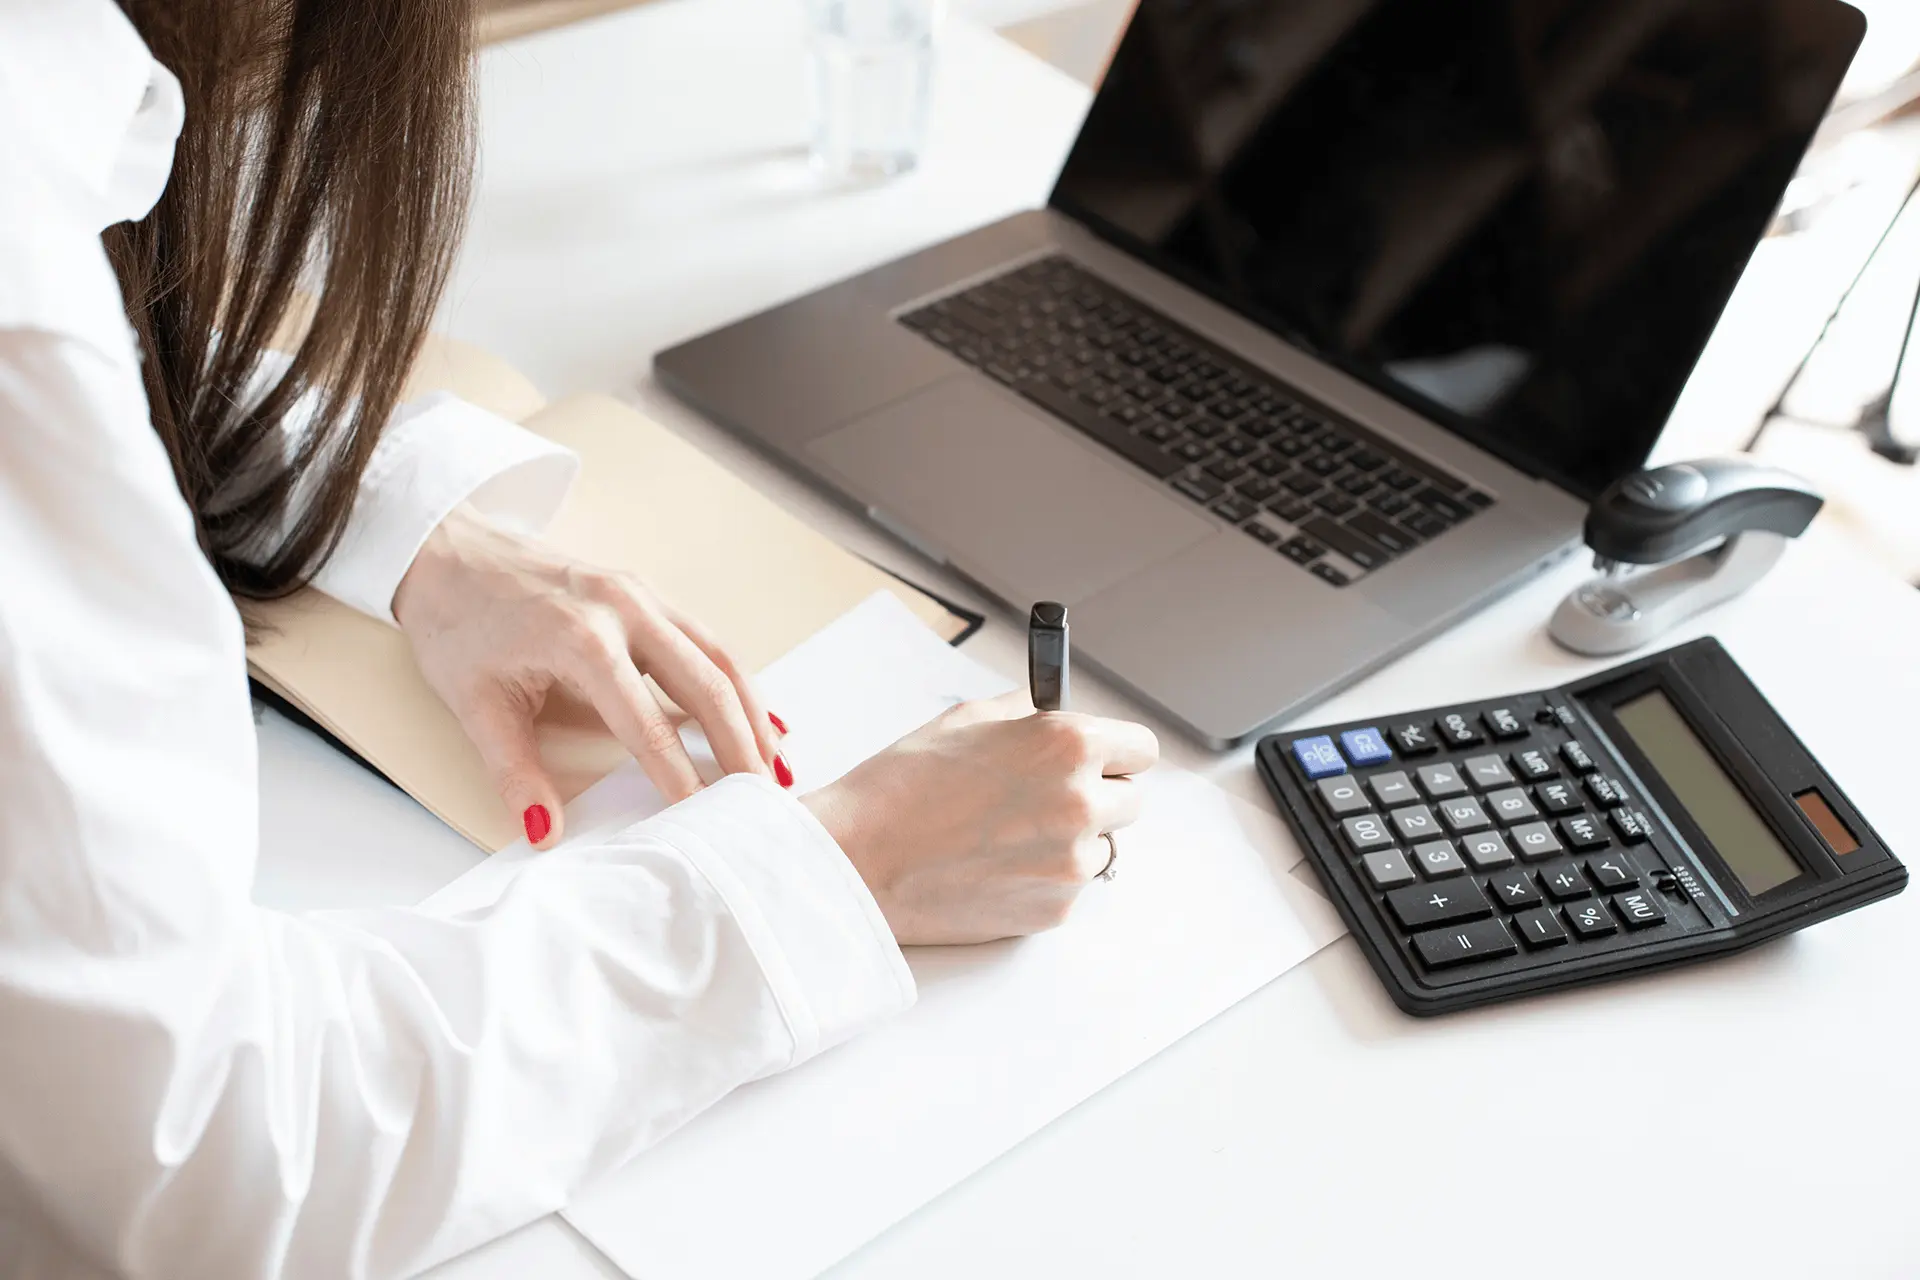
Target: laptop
1339,315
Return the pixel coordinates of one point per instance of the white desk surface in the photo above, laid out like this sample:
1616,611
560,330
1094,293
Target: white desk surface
643,180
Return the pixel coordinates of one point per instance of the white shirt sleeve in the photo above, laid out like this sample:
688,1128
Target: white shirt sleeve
191,1085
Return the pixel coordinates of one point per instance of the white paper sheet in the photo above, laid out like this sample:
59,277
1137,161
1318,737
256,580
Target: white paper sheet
787,1176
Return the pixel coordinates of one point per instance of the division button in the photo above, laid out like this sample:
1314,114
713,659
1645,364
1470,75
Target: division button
1564,884
1318,757
1611,871
1366,747
1578,758
1414,740
1387,868
1640,909
1590,920
1438,860
1439,780
1535,841
1392,789
1514,891
1503,724
1457,731
1463,813
1488,772
1487,851
1366,833
1538,929
1534,764
1606,792
1631,825
1443,948
1583,832
1342,795
1511,806
1415,823
1421,906
1558,797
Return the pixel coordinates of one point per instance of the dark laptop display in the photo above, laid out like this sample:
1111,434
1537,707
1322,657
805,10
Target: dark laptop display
1520,217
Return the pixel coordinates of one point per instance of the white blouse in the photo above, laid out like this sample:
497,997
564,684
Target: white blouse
191,1085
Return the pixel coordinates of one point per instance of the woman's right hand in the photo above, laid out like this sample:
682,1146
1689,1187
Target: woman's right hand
986,823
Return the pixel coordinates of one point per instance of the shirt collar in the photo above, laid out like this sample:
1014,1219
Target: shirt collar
105,116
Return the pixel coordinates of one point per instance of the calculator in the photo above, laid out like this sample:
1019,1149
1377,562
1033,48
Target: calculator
1658,813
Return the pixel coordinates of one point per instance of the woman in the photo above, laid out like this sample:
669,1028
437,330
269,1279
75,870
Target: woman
190,1085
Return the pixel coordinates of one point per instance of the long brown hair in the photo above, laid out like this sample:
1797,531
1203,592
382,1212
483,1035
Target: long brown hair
326,150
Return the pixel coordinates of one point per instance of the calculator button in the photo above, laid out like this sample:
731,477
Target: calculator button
1366,833
1487,851
1564,884
1538,929
1392,789
1582,831
1607,792
1510,806
1631,825
1343,795
1558,797
1488,772
1457,731
1415,740
1611,871
1535,764
1318,757
1438,860
1439,780
1503,724
1387,868
1514,891
1366,746
1421,905
1415,823
1486,940
1640,909
1464,814
1577,757
1535,841
1590,920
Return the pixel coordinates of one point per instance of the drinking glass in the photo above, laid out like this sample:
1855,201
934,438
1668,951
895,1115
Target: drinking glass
871,73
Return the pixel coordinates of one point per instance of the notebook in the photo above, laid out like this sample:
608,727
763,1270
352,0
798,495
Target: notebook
646,502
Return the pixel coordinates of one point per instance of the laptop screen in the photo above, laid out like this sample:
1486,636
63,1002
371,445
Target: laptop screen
1522,218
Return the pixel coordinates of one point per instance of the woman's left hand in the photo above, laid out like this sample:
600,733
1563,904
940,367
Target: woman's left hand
497,622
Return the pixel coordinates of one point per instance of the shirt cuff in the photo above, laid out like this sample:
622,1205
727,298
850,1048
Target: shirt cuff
436,453
827,951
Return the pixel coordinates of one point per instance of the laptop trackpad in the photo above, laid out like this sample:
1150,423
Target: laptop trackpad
1007,495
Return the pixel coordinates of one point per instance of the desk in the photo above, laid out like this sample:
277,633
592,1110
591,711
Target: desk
643,182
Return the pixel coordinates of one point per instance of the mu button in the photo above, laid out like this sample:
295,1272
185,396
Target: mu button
1463,944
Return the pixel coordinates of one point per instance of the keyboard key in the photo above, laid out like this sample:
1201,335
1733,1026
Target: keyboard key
1366,747
1366,460
1535,841
1457,731
1414,740
1632,826
1503,724
1488,771
1402,480
1335,504
1422,906
1257,489
1260,533
1392,790
1577,757
1327,573
1444,948
1227,470
1487,851
1356,485
1366,554
1611,871
1341,794
1387,869
1290,508
1558,797
1442,505
1582,831
1437,860
1366,832
1511,805
1270,465
1439,780
1534,764
1322,465
1234,510
1564,883
1539,930
1423,524
1388,534
1193,451
1302,550
1202,489
1301,484
1608,793
1640,909
1515,891
1589,920
1464,814
1318,757
1415,823
1476,499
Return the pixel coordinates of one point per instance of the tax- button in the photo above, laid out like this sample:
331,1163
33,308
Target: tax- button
1342,795
1366,746
1640,909
1443,948
1421,906
1318,757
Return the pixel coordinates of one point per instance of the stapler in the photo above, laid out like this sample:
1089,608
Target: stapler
1671,541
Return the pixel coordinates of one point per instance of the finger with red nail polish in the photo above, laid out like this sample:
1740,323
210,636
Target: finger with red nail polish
782,772
777,723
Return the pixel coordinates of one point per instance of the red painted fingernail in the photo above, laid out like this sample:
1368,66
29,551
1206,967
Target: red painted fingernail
778,723
781,772
538,823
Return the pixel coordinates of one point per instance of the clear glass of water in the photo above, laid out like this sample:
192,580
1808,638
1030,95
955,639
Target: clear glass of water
871,68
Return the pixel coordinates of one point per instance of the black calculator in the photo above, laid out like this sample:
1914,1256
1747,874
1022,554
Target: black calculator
1657,813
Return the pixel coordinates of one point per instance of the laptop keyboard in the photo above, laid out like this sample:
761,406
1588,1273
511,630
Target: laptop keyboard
1320,491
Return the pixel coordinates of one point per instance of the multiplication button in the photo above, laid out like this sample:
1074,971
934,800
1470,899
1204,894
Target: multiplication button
1514,891
1443,948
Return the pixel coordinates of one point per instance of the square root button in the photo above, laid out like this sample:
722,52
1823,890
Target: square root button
1366,746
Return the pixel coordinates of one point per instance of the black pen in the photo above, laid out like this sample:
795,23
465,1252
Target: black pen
1047,655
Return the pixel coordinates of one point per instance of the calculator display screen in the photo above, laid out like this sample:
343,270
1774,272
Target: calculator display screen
1740,835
